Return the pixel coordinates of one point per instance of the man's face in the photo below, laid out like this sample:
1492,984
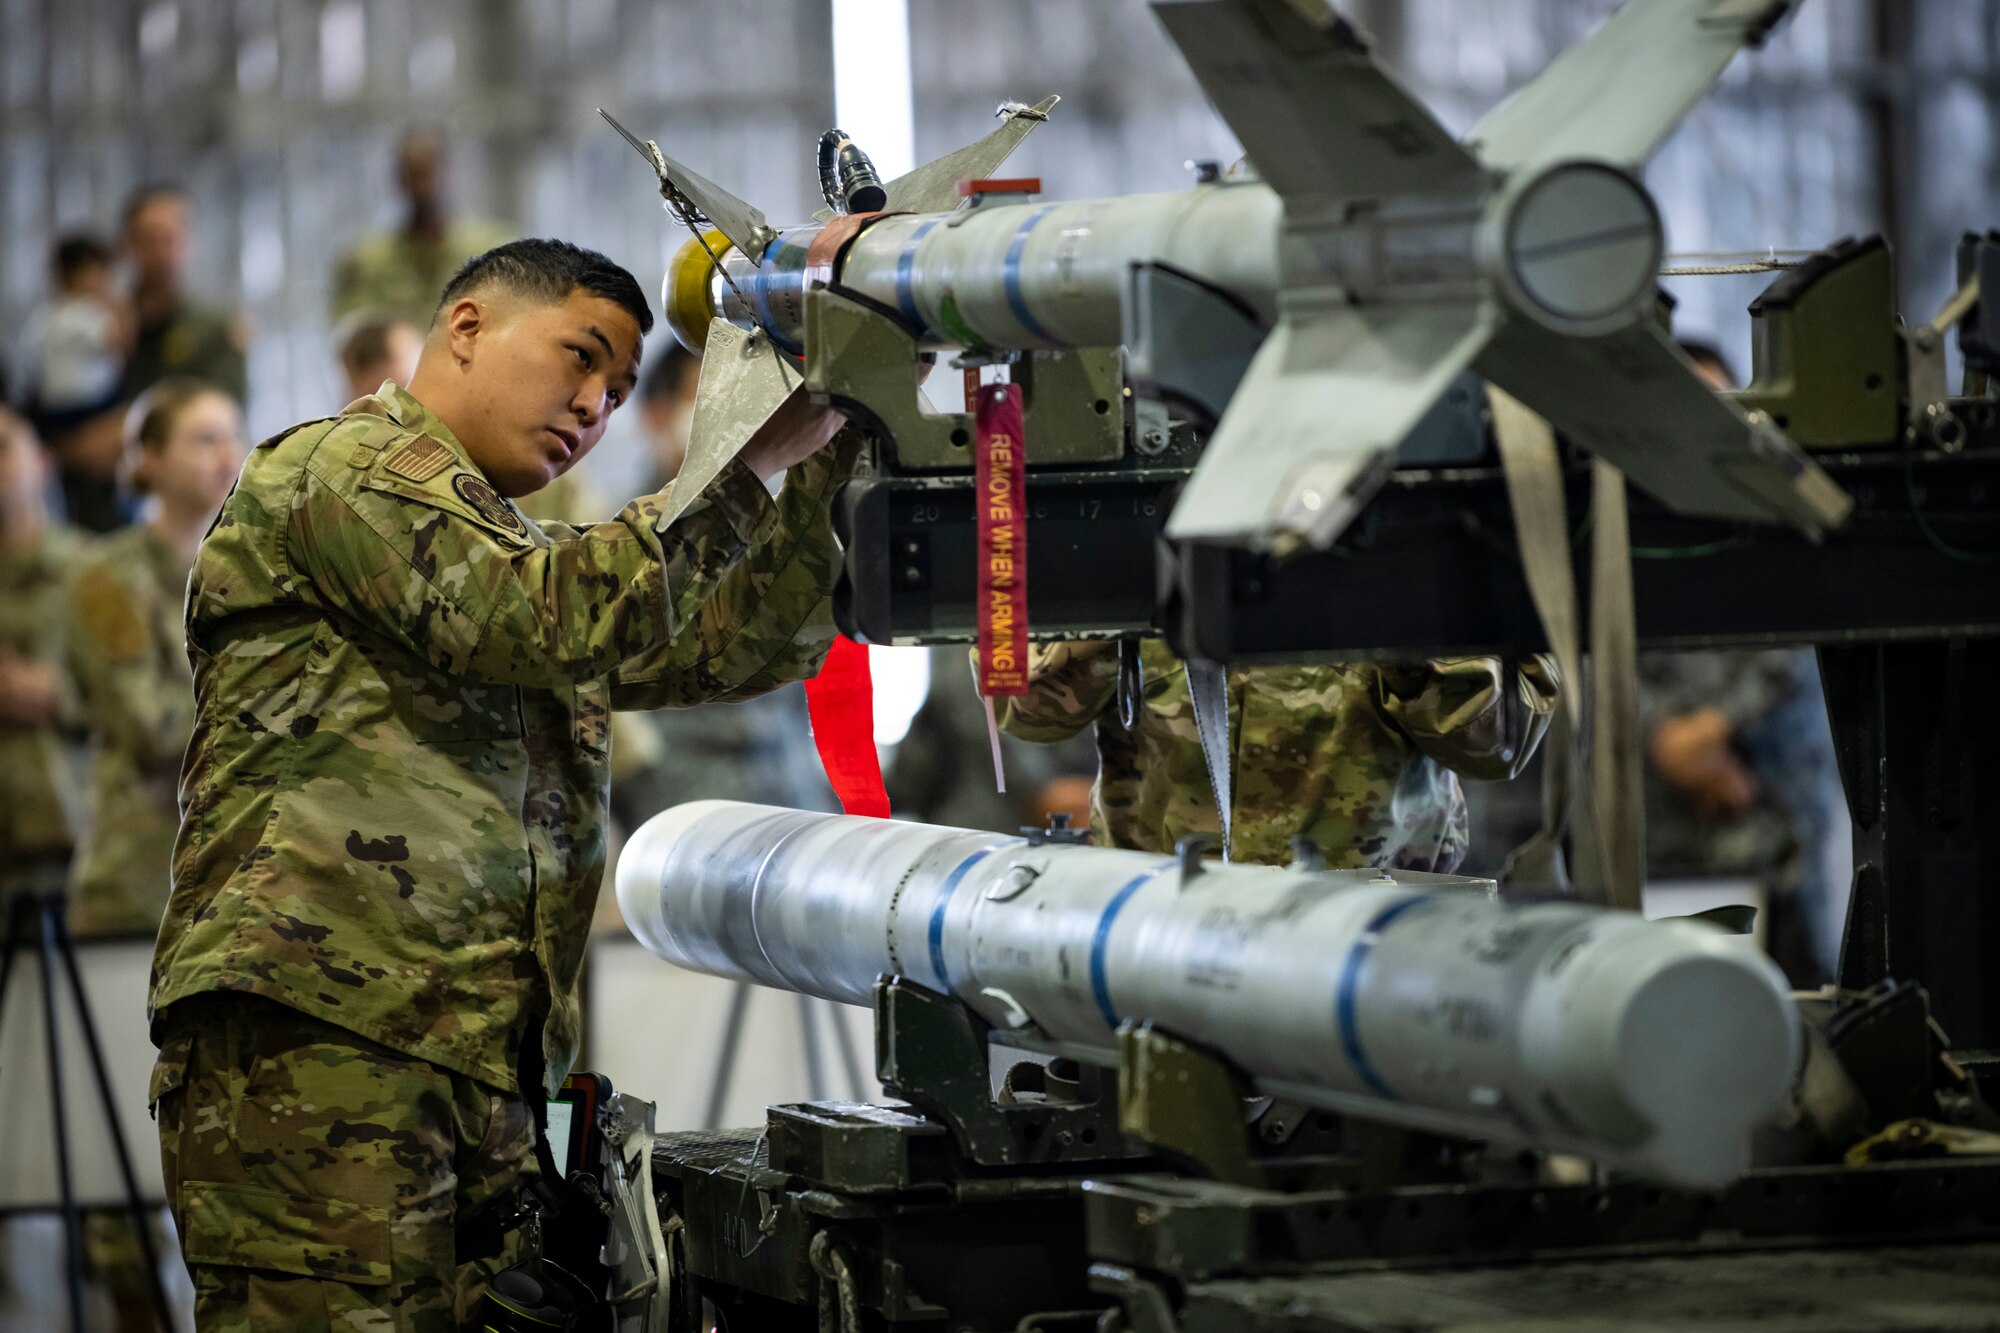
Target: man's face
539,382
159,241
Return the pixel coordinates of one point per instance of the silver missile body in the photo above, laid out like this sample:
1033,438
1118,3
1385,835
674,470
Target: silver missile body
1027,274
1656,1048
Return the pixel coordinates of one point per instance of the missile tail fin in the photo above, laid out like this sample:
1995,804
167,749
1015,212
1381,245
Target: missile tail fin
933,187
1635,401
1309,434
1614,96
1317,115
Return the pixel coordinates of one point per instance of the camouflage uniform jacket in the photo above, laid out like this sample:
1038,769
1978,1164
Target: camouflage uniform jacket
392,808
394,273
193,340
128,656
38,812
1360,758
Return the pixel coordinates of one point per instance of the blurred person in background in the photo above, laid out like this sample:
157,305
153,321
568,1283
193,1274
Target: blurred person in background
72,350
372,346
666,408
1361,759
39,812
135,692
402,272
177,334
1742,782
173,334
128,651
942,771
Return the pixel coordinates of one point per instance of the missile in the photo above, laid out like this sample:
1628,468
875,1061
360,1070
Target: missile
1381,257
1656,1048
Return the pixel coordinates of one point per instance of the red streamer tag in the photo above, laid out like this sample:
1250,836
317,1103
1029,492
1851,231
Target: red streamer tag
841,702
1003,542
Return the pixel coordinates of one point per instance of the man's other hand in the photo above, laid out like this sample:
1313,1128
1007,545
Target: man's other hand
1693,753
792,434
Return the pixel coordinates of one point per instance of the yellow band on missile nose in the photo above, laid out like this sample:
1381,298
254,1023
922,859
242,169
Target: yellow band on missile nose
685,296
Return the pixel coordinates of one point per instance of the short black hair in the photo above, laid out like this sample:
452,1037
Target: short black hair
668,373
79,249
550,270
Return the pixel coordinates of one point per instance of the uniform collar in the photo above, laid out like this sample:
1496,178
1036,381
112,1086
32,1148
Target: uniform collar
395,402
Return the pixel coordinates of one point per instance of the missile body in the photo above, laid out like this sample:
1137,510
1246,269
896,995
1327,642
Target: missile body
1015,275
1654,1047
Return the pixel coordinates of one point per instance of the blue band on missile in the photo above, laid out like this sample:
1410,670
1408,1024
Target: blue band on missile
1010,274
906,266
1100,983
950,887
760,293
1350,982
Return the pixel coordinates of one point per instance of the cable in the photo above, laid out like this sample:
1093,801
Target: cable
1943,547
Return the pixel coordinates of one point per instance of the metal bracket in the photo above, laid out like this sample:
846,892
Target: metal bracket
863,360
1185,1102
1185,341
931,1052
1823,349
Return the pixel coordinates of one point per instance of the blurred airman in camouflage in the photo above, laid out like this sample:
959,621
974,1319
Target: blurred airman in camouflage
128,653
1361,759
39,814
392,834
399,273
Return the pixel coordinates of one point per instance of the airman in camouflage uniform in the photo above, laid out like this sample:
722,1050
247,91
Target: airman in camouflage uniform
401,272
128,652
1361,758
39,812
392,835
129,658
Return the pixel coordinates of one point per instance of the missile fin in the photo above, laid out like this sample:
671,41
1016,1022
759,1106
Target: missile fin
744,224
933,187
1616,94
1317,115
744,381
1310,432
1634,400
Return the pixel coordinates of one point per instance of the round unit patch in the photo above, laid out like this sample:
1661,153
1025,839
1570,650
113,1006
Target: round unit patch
487,502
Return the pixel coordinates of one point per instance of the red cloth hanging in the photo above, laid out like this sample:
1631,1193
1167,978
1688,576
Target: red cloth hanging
841,701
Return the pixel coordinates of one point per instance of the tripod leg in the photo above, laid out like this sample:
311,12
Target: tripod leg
725,1063
72,1219
109,1104
809,1039
18,908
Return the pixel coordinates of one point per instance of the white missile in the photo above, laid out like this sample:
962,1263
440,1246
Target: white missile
1382,257
1657,1048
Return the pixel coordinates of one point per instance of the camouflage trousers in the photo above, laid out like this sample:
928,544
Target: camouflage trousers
318,1179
